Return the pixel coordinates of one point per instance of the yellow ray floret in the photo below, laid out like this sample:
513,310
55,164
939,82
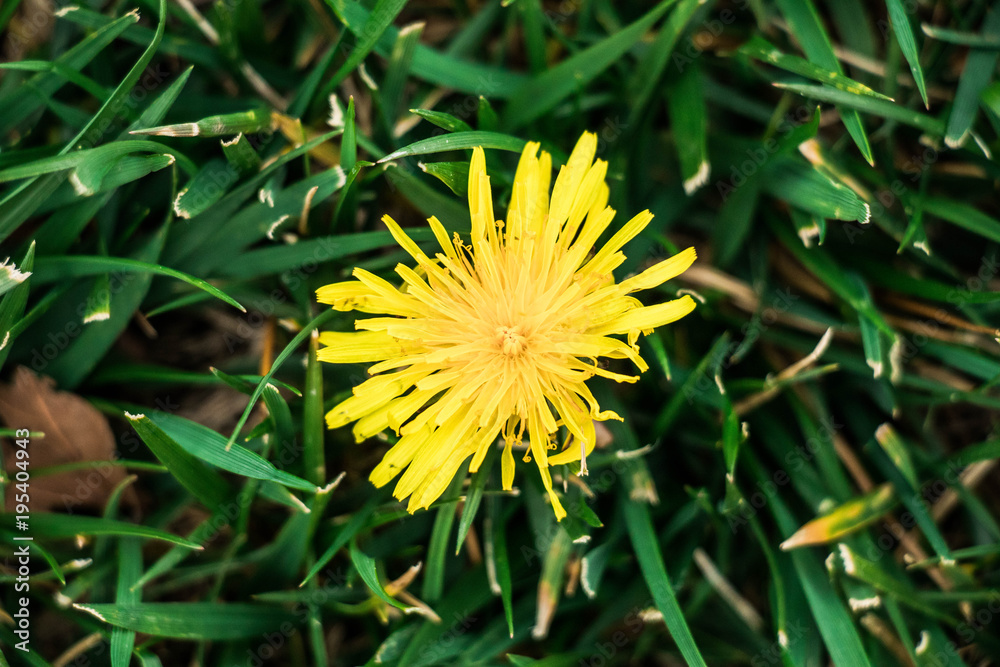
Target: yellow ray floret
497,340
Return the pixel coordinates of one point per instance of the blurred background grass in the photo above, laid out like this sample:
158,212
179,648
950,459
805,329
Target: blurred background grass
805,476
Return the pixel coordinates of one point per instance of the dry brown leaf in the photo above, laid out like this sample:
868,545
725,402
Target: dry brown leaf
74,431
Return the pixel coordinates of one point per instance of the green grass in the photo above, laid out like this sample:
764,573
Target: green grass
179,185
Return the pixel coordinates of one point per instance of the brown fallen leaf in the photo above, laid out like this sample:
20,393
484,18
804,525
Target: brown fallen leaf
74,431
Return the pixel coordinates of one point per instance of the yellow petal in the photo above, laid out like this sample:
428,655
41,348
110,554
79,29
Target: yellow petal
398,457
341,295
628,232
507,467
405,242
647,318
660,273
564,193
352,348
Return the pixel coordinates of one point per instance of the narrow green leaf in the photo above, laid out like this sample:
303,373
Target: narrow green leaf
907,44
539,94
444,120
68,526
357,521
646,78
313,428
474,496
18,105
129,570
647,552
276,259
100,157
800,185
458,141
979,70
393,84
192,620
453,174
349,140
299,338
759,48
428,63
964,215
375,25
242,122
437,549
689,122
973,39
204,483
805,24
241,154
13,302
365,565
498,562
205,188
209,446
880,108
98,305
54,269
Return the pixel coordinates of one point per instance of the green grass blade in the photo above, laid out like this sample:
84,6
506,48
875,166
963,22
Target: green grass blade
431,65
458,141
129,570
54,269
13,302
907,44
979,70
876,107
474,497
649,71
53,526
192,620
209,446
365,565
647,552
807,27
541,93
689,121
204,483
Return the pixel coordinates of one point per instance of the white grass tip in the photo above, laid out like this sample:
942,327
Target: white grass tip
79,187
699,178
178,211
859,605
274,226
847,558
809,235
336,119
12,273
367,78
90,610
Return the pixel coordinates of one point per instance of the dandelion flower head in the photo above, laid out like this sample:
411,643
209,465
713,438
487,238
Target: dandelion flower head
497,339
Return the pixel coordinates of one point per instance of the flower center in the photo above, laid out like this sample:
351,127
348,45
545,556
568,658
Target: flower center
511,341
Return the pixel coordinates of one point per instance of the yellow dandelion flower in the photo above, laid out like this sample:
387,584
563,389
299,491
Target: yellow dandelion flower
498,338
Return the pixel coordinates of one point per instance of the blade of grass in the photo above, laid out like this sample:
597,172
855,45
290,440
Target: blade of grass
55,269
192,620
805,24
977,74
541,93
204,483
907,44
